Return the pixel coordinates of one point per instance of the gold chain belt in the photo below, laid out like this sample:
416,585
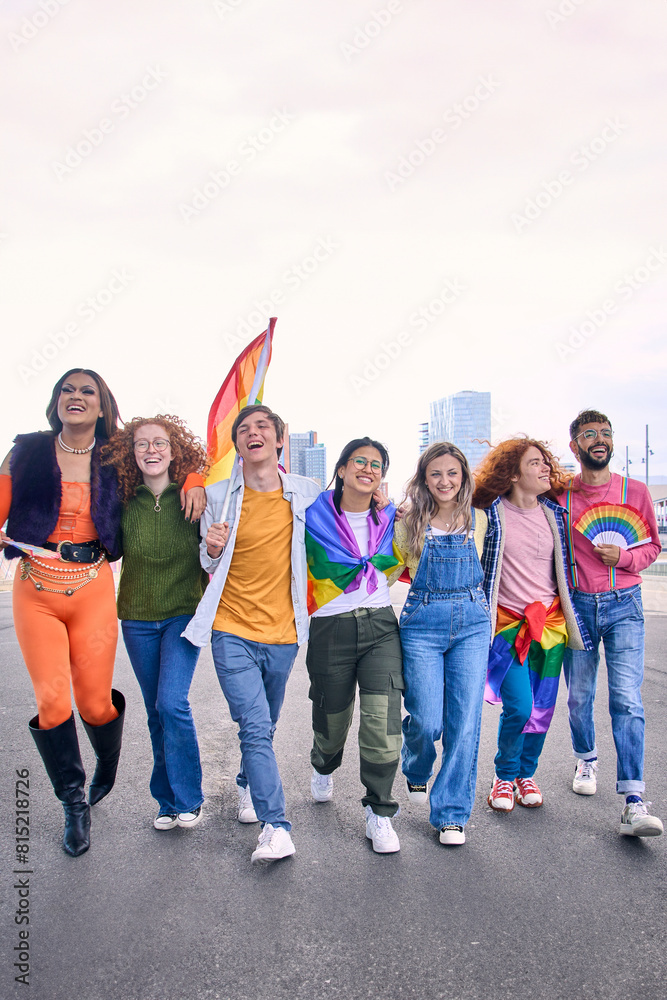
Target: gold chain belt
72,577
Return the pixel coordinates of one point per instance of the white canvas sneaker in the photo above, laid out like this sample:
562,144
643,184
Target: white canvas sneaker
273,843
382,833
246,812
585,781
321,786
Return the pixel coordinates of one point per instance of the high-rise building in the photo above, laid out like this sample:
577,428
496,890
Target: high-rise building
315,463
423,437
297,446
307,457
465,420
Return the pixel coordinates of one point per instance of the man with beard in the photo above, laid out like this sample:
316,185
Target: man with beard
607,595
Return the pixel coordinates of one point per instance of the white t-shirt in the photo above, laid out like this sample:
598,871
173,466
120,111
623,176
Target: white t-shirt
358,598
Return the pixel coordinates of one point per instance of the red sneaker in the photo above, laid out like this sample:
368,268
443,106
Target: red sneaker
501,796
527,793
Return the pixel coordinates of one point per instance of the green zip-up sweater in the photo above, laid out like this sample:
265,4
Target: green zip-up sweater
161,576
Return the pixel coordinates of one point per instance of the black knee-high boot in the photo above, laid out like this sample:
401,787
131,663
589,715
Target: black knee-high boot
59,749
106,742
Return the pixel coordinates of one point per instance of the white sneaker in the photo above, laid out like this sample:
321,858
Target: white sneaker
584,781
636,821
452,835
321,786
246,813
189,819
417,793
273,843
165,821
382,833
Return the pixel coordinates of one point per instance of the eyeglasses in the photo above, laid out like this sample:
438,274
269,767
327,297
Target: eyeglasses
160,444
361,463
591,435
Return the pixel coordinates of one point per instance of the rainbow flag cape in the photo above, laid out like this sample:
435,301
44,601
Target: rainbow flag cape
243,386
540,637
335,564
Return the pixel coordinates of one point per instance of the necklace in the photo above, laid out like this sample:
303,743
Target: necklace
74,451
589,496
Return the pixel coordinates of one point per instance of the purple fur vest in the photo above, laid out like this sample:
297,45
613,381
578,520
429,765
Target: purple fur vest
37,494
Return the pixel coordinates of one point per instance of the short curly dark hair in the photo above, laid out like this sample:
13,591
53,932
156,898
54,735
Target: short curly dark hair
587,417
188,453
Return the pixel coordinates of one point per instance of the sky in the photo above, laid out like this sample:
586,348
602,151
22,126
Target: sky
430,197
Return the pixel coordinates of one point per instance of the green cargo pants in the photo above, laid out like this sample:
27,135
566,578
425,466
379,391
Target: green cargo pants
361,646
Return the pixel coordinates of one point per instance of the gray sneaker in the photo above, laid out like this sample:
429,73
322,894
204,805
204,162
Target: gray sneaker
637,822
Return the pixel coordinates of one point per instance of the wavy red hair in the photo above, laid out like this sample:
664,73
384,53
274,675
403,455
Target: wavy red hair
495,473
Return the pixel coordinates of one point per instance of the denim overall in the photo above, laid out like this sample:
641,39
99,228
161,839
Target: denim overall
445,634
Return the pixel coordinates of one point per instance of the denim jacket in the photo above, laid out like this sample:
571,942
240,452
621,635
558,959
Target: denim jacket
300,492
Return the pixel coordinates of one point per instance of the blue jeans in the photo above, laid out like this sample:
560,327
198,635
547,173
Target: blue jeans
616,618
164,664
253,677
445,654
518,752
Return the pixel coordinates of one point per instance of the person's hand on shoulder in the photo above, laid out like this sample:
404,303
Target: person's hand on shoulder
193,503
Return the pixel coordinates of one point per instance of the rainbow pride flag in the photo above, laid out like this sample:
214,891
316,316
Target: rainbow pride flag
37,551
540,637
335,564
243,386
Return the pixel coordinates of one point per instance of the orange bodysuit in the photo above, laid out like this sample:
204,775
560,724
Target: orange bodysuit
66,639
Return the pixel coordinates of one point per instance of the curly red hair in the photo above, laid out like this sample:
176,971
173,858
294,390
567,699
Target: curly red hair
495,473
188,453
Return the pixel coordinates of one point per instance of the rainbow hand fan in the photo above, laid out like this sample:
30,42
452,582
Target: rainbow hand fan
614,524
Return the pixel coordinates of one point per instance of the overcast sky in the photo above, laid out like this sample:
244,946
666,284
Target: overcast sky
430,196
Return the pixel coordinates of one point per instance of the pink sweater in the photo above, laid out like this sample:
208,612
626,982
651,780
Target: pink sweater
592,574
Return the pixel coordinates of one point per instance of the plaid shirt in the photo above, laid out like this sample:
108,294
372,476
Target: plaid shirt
493,544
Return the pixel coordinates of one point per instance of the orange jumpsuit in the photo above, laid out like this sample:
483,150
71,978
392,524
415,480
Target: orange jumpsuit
67,639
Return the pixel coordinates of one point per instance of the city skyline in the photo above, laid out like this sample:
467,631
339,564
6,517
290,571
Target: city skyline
488,217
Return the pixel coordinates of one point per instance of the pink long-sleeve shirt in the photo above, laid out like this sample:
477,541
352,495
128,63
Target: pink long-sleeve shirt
592,574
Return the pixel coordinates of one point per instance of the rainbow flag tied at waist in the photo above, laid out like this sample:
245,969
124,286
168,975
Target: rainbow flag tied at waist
540,636
335,564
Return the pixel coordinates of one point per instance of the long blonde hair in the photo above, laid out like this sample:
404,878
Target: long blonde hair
423,505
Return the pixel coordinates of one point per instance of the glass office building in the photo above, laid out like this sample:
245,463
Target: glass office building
465,420
297,447
315,463
307,457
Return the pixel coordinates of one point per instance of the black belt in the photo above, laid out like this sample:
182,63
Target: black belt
79,552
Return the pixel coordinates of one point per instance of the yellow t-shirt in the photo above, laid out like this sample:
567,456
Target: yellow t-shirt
256,601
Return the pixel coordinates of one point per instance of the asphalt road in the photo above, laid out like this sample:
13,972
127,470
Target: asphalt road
543,903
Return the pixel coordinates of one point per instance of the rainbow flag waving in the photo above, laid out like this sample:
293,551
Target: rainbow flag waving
243,386
540,636
335,563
